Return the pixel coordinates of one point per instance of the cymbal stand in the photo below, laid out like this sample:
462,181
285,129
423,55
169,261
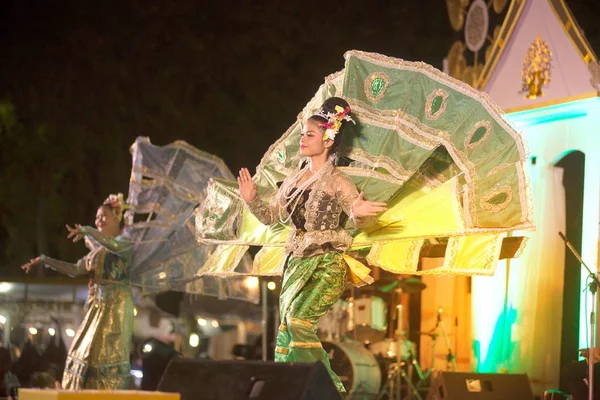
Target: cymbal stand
424,375
450,358
434,336
393,385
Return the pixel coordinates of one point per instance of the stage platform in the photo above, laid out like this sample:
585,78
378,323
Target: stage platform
47,394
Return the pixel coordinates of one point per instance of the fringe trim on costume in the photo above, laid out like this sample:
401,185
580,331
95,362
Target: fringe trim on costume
300,322
307,345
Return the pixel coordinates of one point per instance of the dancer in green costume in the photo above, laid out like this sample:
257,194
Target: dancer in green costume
439,153
100,351
316,199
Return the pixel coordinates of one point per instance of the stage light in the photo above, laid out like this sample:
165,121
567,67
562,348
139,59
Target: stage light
147,348
194,340
137,373
271,285
201,322
5,287
2,319
70,332
215,323
32,330
134,311
251,282
51,331
162,275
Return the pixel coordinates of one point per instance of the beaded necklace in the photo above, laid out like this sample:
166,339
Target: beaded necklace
294,196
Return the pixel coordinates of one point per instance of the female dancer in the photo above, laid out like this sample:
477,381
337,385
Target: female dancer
316,199
99,355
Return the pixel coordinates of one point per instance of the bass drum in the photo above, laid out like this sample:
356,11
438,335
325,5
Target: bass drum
357,368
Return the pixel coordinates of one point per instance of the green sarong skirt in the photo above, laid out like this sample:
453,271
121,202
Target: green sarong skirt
311,285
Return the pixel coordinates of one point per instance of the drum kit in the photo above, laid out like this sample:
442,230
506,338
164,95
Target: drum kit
372,363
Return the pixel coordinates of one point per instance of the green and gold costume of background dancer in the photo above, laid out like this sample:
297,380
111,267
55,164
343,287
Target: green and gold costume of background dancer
100,351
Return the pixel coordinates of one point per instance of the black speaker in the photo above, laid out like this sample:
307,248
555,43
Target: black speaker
472,386
156,356
247,380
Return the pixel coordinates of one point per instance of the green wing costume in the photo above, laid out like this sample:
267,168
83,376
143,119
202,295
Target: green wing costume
438,151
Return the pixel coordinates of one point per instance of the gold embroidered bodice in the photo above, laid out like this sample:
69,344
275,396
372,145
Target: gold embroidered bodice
321,209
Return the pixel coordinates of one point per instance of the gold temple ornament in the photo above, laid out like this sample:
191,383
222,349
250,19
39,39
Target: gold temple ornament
456,13
473,18
536,69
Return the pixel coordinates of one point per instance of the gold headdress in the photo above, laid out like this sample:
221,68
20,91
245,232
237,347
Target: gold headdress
334,120
117,203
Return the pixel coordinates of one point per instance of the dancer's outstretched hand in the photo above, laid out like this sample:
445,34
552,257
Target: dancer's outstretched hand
365,208
34,262
75,233
246,185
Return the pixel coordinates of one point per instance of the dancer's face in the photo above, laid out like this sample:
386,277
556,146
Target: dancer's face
311,140
107,222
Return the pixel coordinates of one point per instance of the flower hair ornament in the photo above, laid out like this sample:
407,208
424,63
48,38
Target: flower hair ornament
117,203
334,121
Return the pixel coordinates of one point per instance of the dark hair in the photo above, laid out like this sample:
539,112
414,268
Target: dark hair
111,208
329,107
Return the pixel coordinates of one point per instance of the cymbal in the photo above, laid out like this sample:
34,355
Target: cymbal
412,285
387,285
408,285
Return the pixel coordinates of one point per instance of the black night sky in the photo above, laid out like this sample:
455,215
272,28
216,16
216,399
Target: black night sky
79,80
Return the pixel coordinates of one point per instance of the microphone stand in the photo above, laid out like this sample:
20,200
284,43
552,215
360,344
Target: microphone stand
593,285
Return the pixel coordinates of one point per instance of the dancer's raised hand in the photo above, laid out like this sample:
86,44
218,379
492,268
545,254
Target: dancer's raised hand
75,233
246,185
